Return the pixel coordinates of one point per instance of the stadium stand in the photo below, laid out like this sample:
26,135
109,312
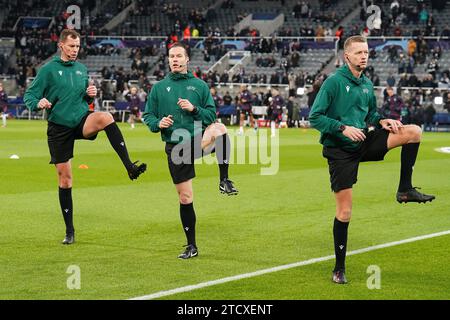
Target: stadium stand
124,43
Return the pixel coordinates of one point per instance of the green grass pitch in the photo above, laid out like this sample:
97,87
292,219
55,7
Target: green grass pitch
128,233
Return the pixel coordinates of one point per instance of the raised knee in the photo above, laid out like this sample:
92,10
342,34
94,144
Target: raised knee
415,133
221,128
218,129
107,118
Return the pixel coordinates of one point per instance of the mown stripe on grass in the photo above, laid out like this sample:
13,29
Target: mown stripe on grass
161,294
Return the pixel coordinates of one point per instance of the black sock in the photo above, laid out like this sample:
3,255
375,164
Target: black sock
223,155
65,201
408,159
340,243
188,219
118,143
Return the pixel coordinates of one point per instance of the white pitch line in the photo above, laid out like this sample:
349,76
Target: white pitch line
160,294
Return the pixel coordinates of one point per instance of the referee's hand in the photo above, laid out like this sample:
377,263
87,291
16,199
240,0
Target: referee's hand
91,90
44,104
166,122
391,125
185,104
354,134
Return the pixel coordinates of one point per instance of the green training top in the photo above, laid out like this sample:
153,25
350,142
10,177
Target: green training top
343,99
63,84
163,100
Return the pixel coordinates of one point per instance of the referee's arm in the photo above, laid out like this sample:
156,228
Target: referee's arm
207,112
373,117
35,91
150,115
317,116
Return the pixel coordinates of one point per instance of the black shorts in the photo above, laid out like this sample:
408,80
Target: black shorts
343,164
181,163
276,117
246,111
61,140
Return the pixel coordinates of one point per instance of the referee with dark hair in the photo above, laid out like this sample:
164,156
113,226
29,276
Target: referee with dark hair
62,87
181,107
352,131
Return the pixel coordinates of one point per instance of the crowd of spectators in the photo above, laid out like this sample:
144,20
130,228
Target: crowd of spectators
34,45
401,18
413,106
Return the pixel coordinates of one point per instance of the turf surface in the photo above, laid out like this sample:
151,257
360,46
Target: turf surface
128,233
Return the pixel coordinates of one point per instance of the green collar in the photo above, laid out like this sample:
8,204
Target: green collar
345,71
179,76
64,63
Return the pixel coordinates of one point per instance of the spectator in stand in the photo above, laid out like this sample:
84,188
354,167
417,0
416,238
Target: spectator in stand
392,107
134,105
446,31
403,82
296,11
275,110
320,33
390,80
365,32
218,102
245,108
412,46
393,53
423,16
340,34
446,98
3,105
304,10
227,99
402,63
313,93
433,67
428,117
436,52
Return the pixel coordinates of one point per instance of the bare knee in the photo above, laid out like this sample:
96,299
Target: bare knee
217,129
415,133
64,179
220,128
106,118
344,215
185,197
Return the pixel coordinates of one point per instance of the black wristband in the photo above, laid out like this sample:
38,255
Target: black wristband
195,110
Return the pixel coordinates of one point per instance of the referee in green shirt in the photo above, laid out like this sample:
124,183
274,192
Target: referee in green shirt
62,88
182,109
352,131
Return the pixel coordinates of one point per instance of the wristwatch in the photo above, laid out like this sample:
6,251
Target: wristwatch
342,128
195,110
